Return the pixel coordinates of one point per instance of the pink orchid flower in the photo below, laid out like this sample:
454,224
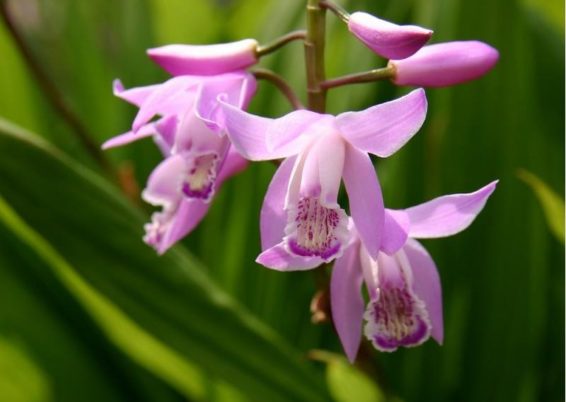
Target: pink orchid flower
387,39
405,301
190,134
302,224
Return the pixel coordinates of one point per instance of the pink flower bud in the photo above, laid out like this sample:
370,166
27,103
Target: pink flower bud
205,59
445,64
387,39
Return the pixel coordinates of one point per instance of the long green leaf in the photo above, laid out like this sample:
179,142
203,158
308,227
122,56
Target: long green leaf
166,299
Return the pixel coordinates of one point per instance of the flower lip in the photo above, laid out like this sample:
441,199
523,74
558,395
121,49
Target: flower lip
205,59
386,38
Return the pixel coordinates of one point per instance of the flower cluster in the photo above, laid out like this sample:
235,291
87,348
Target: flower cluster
206,136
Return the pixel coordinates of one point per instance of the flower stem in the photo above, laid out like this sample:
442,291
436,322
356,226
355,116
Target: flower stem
280,84
314,56
280,42
336,9
358,78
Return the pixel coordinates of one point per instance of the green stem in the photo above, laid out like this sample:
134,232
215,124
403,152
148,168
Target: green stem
280,84
314,56
336,9
358,78
280,42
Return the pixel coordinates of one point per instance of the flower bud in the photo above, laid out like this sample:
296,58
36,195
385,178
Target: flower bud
205,59
445,64
387,39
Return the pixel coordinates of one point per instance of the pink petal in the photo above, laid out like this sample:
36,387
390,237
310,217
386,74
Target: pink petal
366,202
384,128
346,300
273,217
426,285
135,96
126,138
279,259
164,183
396,230
171,97
445,64
188,216
387,39
233,164
249,134
234,88
205,59
448,215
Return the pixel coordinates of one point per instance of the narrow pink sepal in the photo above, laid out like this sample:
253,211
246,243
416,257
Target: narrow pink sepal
426,285
447,215
445,64
389,40
205,59
346,301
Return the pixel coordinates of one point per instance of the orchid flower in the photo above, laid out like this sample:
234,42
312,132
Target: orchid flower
386,38
190,134
405,301
302,224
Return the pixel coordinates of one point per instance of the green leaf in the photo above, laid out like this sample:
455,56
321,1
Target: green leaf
21,379
551,203
164,313
346,382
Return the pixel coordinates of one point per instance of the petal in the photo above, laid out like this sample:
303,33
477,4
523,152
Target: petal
273,217
164,183
347,303
286,130
188,216
384,128
387,39
166,129
445,64
395,231
233,164
426,285
448,215
279,259
205,59
370,272
126,138
364,194
249,134
322,174
171,97
235,89
135,96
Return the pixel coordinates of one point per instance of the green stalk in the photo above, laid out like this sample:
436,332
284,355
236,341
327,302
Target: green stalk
314,56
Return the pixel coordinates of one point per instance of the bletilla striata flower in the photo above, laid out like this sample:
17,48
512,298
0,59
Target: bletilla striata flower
405,302
190,134
302,224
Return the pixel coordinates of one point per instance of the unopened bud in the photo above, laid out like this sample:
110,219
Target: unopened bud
387,39
445,64
205,59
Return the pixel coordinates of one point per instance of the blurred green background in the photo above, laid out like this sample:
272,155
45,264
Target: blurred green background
89,313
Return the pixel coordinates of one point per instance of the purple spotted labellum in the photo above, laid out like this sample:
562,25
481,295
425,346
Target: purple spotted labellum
190,132
405,302
387,39
302,224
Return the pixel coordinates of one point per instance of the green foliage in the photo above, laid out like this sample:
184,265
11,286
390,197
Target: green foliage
88,312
